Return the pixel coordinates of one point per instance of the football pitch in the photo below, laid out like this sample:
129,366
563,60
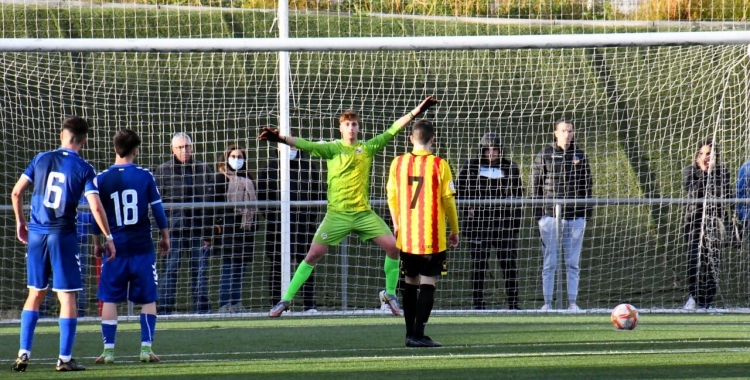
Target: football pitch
673,346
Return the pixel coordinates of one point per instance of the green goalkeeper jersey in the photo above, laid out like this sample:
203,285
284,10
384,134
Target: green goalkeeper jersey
349,169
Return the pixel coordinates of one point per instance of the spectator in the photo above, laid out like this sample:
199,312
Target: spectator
487,227
236,226
561,171
705,179
183,179
305,185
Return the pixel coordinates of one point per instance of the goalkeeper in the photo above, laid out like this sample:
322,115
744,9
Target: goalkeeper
349,163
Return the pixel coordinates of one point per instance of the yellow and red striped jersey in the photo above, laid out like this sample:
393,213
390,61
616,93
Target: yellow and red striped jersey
420,195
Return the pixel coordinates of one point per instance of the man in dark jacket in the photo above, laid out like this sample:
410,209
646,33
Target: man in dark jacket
305,185
561,171
183,179
491,176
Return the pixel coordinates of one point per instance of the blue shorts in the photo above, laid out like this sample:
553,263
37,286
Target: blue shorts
130,278
55,254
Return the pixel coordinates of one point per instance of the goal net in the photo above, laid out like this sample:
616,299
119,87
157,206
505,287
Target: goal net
640,114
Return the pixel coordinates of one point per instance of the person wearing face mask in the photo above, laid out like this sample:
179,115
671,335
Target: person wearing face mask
491,227
305,185
234,226
705,179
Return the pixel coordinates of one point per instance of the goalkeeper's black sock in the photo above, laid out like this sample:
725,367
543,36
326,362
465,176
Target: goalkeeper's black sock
409,294
424,309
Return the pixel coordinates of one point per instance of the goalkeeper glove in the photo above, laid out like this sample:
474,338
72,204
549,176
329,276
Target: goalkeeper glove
425,105
271,135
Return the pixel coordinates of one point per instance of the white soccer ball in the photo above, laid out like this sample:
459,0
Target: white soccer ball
624,316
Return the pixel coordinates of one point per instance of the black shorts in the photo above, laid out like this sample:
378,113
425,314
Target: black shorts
432,265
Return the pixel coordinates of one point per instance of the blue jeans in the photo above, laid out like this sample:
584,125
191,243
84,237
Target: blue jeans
182,243
83,251
230,285
571,241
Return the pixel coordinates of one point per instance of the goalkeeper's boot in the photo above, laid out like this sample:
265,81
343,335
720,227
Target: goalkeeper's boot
148,356
392,301
70,365
280,307
21,363
107,357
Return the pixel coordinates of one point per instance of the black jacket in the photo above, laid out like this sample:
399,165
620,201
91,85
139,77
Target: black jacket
562,174
696,182
305,185
187,183
482,180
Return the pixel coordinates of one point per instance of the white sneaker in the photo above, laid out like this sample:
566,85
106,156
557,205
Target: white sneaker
311,310
385,307
690,304
226,309
574,308
546,307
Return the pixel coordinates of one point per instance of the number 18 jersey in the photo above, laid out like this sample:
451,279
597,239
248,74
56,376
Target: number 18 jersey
126,192
59,177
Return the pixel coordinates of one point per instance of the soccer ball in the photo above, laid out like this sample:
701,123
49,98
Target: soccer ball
624,317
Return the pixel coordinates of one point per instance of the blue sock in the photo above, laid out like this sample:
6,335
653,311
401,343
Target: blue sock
28,325
109,331
67,335
148,327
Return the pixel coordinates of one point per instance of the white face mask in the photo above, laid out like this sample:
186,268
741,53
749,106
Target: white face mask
292,154
235,163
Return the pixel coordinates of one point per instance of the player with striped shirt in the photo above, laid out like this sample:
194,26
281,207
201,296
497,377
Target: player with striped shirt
59,179
349,163
127,191
420,196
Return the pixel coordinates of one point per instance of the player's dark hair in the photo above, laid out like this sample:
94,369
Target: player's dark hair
561,121
349,115
78,127
709,143
423,131
223,166
126,141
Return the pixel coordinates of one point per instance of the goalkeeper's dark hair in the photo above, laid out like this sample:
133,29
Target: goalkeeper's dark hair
78,127
126,141
423,131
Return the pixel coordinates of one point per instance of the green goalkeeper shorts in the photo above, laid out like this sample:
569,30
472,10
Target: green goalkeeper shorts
337,225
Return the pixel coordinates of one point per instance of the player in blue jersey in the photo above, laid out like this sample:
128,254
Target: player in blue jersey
59,178
127,191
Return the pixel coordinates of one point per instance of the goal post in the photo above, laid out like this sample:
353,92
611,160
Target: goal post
641,104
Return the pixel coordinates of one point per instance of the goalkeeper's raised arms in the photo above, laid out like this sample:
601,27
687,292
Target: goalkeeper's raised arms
426,104
272,135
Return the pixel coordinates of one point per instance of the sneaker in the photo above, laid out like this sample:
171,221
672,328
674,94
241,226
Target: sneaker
311,310
407,342
21,363
424,342
148,356
226,309
690,304
238,308
70,365
385,307
107,357
573,308
546,307
392,301
280,307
